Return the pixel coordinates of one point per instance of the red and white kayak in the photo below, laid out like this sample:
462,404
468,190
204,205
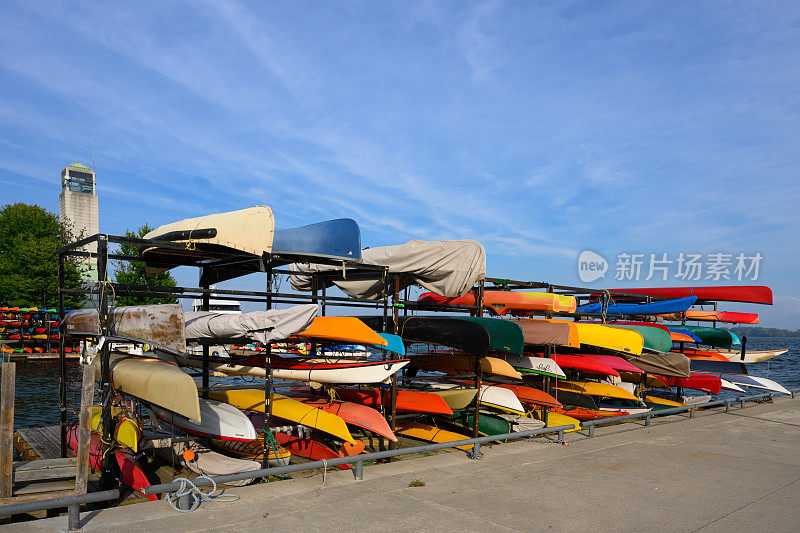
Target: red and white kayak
218,421
345,370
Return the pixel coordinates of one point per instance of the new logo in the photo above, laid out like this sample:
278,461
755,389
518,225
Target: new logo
591,266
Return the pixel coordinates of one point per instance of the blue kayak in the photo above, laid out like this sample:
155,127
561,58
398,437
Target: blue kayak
338,238
694,337
678,305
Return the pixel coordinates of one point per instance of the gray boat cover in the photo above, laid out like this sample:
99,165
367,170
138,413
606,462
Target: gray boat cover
670,364
258,326
448,268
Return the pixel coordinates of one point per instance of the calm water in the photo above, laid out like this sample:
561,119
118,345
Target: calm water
37,381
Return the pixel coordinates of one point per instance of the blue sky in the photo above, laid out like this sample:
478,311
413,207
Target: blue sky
540,129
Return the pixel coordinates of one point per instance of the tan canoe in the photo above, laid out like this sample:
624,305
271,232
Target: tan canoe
154,381
462,363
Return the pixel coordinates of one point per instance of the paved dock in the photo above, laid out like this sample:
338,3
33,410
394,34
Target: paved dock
727,472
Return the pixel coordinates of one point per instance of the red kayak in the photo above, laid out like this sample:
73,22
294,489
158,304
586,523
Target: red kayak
584,413
584,364
131,471
754,294
617,363
703,382
407,400
309,448
530,395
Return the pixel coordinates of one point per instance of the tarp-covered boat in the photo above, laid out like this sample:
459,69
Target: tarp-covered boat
449,268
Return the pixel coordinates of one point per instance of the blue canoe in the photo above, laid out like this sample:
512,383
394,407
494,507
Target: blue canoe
338,238
653,308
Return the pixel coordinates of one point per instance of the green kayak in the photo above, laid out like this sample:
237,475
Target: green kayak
504,336
654,338
719,337
488,424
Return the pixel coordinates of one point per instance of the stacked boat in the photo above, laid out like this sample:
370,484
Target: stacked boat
293,385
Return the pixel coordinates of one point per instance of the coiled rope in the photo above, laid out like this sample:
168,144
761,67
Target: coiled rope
188,488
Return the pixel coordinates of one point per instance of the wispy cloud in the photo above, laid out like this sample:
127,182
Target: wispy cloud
539,130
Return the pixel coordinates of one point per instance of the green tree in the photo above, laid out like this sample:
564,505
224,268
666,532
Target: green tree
134,273
30,237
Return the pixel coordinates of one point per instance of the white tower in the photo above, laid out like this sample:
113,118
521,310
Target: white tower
78,207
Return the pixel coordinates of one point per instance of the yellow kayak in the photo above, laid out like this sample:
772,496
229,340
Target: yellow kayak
590,388
557,419
663,401
287,408
344,329
619,339
429,433
126,431
154,381
460,363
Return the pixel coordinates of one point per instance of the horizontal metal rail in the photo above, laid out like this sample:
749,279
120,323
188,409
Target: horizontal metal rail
72,503
591,424
360,459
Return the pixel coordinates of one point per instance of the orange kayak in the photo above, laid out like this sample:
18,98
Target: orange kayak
407,400
584,413
530,395
354,414
344,329
509,302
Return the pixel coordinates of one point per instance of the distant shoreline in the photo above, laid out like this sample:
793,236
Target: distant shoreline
764,332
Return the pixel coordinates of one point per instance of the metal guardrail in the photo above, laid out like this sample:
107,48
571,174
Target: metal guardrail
359,460
741,400
73,502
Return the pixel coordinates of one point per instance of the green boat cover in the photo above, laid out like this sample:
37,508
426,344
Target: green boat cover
504,335
654,338
713,336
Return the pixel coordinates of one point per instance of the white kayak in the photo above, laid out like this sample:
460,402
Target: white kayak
727,385
205,461
537,365
755,382
341,371
493,397
751,356
219,420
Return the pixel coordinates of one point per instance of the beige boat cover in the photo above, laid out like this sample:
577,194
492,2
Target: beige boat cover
159,325
258,326
154,381
248,230
541,332
662,363
448,268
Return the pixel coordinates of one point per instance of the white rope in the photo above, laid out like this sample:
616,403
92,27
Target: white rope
198,496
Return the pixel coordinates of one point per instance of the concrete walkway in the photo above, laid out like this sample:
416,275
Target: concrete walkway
726,472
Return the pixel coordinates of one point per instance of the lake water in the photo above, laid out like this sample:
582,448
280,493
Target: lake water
36,401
